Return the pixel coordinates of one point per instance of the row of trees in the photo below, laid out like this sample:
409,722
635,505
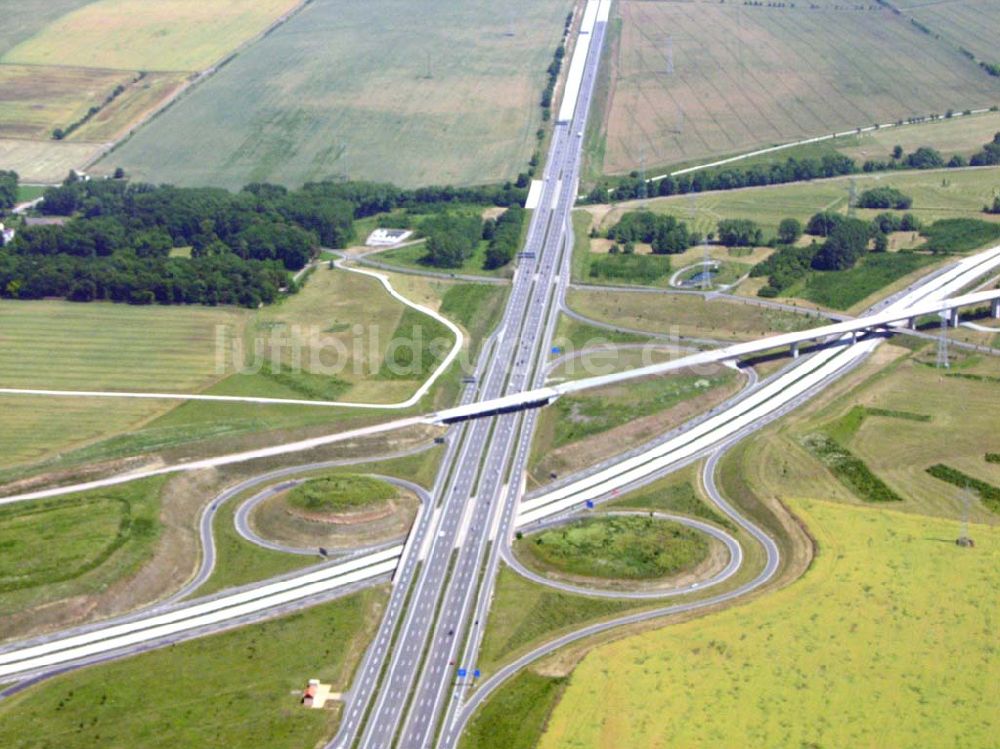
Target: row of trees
791,170
884,197
125,277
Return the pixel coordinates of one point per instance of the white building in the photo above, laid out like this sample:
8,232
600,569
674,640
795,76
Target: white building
6,235
387,237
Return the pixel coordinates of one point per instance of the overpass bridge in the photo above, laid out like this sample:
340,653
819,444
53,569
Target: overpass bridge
847,332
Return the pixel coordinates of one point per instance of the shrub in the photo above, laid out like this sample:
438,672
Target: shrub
884,197
959,235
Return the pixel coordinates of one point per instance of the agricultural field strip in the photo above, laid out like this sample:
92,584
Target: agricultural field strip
783,389
731,568
401,405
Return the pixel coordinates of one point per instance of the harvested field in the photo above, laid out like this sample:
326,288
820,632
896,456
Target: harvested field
386,90
46,161
747,77
35,100
174,35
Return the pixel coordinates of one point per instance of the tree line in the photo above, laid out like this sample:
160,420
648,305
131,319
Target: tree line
117,240
791,169
8,190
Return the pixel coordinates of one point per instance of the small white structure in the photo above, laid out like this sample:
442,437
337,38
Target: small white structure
387,237
6,235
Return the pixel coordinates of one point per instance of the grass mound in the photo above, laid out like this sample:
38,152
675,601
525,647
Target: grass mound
633,548
340,493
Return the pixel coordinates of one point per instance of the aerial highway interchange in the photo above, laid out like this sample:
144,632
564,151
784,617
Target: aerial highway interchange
406,691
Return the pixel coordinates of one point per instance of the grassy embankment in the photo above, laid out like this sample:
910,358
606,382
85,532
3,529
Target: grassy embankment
77,545
583,429
617,548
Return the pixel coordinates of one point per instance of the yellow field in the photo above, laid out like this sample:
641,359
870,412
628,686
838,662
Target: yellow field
174,35
888,641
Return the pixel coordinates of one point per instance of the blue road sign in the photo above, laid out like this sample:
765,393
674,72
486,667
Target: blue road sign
475,674
462,672
590,505
556,350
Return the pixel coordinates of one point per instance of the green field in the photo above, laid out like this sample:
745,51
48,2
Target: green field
675,494
524,613
887,641
339,326
21,21
970,24
390,90
678,315
746,77
413,256
238,689
61,345
616,548
843,289
529,696
342,493
75,546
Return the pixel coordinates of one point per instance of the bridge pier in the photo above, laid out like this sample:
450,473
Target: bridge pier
995,309
953,317
912,323
795,351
